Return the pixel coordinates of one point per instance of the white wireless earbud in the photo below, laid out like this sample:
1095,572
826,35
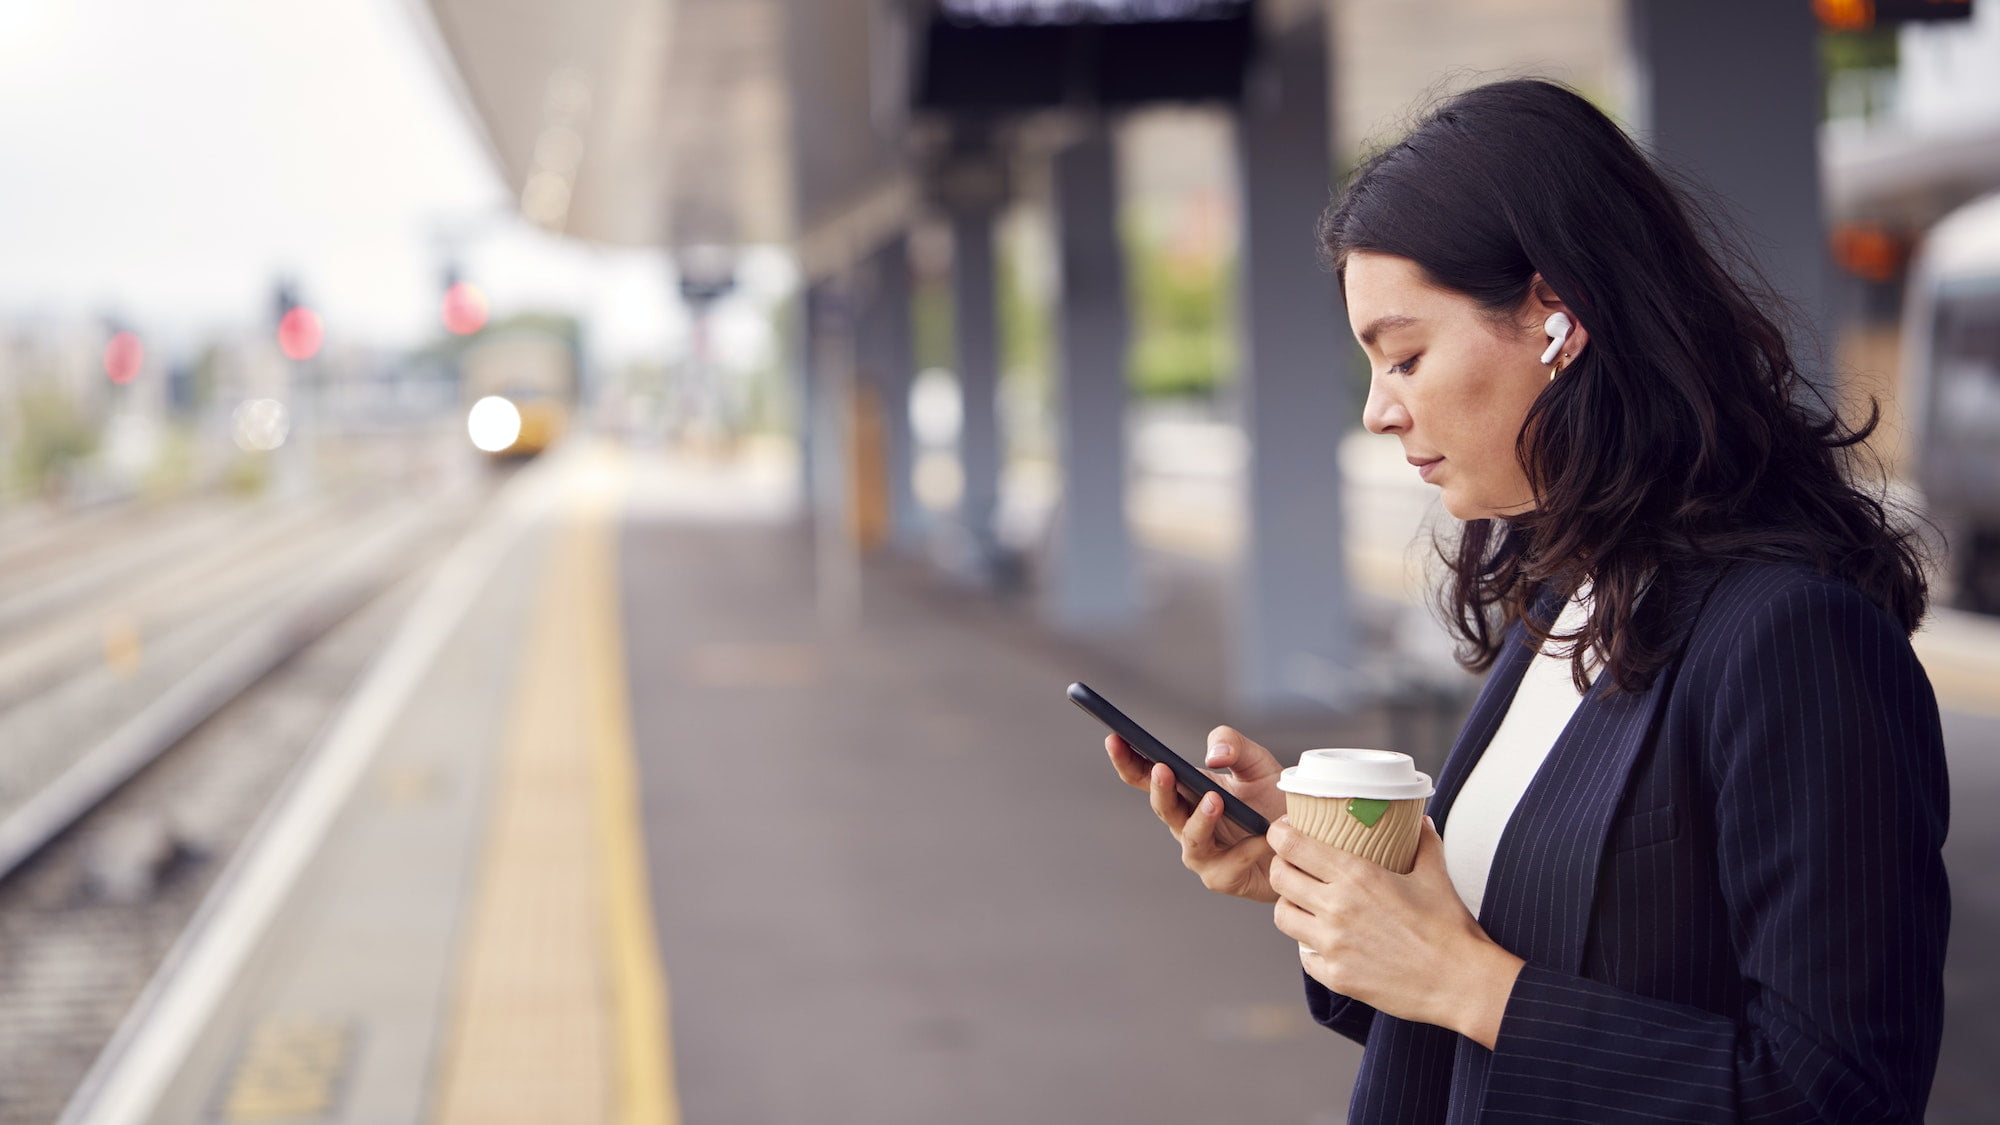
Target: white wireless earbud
1556,326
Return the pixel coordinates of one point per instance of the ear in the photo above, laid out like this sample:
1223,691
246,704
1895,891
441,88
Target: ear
1544,303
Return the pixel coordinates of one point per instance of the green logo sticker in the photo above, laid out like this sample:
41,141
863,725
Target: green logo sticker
1367,810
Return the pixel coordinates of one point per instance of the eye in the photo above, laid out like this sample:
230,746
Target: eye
1405,367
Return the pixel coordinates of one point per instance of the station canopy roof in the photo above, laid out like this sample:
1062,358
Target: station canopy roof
630,122
1907,179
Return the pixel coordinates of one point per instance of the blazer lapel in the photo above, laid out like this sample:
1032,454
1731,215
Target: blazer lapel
1542,885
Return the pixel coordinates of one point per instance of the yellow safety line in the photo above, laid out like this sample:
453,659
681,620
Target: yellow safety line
561,1009
646,1087
1975,690
529,1039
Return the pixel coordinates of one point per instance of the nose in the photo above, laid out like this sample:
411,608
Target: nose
1383,414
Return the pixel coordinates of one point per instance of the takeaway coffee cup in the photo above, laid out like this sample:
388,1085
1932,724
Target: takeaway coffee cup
1367,802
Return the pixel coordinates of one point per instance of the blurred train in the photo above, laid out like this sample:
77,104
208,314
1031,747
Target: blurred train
518,384
1951,337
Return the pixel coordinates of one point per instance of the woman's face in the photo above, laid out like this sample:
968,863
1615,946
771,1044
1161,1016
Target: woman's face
1450,383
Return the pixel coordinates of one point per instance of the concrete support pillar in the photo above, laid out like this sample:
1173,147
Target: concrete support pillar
976,331
1294,632
836,560
804,389
891,363
1090,573
1730,92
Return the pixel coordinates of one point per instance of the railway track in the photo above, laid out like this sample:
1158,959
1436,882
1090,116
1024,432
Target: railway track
149,715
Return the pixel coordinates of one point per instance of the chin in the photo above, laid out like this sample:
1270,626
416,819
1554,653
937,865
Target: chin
1469,512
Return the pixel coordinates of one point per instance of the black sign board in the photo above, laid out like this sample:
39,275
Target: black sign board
1921,11
1000,55
1860,15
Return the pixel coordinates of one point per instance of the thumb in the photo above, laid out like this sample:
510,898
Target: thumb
1227,747
1430,847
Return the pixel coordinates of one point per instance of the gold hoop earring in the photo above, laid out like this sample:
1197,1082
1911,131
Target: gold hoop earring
1556,366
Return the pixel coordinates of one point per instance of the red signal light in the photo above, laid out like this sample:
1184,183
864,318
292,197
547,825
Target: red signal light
123,357
464,309
1869,252
299,333
1845,15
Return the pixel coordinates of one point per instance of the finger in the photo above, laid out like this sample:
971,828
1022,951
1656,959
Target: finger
1291,882
1322,863
1228,833
1428,840
1167,802
1283,878
1249,762
1429,860
1285,840
1293,922
1198,841
1132,769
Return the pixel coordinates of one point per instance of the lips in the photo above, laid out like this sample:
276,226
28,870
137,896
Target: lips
1425,465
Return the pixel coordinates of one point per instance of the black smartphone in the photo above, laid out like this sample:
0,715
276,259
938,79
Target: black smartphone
1193,781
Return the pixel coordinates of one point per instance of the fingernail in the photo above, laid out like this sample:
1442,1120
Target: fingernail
1209,803
1214,754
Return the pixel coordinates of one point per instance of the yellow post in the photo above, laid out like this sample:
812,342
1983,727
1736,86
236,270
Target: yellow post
868,476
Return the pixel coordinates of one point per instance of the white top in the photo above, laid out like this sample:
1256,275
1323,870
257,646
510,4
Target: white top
1541,708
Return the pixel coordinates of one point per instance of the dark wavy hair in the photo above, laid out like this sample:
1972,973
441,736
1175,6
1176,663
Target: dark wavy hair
1682,438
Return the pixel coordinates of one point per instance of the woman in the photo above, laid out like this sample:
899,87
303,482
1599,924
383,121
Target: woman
1684,864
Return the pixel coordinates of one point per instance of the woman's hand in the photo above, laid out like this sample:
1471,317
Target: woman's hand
1229,860
1402,944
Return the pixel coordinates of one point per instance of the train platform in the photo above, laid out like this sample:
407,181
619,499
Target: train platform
622,827
618,828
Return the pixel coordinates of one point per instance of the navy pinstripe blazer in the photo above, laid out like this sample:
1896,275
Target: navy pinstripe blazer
1728,888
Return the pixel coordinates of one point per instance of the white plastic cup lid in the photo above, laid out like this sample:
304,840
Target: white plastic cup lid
1382,775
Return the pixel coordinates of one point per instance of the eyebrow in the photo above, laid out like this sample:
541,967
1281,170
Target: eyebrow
1383,324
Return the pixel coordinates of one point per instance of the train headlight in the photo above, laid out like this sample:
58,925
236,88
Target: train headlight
494,424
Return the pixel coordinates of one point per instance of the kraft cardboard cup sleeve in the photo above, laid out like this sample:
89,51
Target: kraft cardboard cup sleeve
1366,802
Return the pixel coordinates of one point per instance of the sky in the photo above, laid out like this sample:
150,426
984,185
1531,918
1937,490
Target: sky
164,163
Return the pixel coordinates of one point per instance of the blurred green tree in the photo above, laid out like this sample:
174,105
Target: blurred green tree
1183,320
55,436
